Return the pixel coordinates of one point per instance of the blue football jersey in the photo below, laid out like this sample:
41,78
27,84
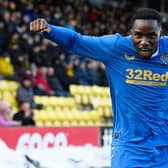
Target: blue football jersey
138,87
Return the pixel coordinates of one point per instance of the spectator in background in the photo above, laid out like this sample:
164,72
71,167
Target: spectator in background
25,115
93,72
18,57
24,92
64,71
102,75
55,83
82,72
41,85
35,54
4,37
5,115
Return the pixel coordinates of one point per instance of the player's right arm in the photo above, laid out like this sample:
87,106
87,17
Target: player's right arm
98,48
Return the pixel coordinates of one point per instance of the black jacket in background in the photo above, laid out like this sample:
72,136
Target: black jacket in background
26,121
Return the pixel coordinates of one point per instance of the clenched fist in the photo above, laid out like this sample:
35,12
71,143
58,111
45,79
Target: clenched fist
39,25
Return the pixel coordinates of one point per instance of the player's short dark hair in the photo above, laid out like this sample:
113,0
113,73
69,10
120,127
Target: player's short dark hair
147,14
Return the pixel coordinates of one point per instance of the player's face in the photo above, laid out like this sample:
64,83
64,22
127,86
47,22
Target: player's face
145,34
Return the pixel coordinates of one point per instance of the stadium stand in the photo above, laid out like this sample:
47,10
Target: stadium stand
85,80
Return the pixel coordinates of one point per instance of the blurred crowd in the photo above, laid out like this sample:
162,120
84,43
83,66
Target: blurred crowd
50,68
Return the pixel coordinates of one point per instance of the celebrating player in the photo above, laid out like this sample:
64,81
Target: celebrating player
137,70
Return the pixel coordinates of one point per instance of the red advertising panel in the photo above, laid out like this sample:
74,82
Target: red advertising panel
50,137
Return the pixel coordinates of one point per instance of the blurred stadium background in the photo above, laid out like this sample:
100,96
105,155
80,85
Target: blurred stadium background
86,103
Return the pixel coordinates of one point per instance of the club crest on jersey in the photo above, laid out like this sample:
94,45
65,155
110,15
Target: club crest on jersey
129,58
164,58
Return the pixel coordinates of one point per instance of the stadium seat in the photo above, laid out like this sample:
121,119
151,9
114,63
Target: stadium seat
6,68
40,124
48,123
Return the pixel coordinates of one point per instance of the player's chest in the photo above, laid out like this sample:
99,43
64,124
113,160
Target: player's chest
135,71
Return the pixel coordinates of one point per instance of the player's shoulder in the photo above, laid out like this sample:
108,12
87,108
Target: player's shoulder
163,41
116,38
111,36
116,35
124,40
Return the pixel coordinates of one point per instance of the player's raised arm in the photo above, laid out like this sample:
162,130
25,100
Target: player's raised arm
40,25
98,48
